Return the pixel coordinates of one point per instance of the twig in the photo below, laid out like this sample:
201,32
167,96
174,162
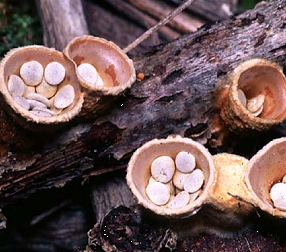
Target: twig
245,201
155,28
3,220
46,214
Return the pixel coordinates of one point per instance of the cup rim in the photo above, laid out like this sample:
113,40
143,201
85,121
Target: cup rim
188,210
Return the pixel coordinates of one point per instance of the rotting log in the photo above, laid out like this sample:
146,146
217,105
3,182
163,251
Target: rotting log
109,23
124,229
108,192
183,22
174,98
136,13
122,21
55,220
211,9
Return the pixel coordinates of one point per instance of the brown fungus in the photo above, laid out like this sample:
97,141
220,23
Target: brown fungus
255,77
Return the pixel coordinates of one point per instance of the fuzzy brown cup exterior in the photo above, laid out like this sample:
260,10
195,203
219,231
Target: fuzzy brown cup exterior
112,64
230,187
266,168
12,63
255,76
138,172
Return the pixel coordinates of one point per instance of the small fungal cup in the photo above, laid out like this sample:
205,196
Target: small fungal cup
103,70
230,194
255,78
19,107
139,172
265,169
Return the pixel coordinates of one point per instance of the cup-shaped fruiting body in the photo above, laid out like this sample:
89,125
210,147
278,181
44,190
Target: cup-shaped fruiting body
229,194
103,70
257,96
27,93
139,173
265,170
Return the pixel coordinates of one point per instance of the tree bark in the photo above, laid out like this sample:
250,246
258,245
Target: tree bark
108,192
174,98
62,21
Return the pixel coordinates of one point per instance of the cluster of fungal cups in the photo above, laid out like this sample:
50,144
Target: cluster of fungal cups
176,177
174,184
36,89
41,86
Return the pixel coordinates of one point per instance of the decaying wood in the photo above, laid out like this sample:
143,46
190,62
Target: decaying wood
136,17
211,9
160,25
56,220
183,22
108,24
174,98
148,13
243,241
62,21
142,18
125,230
109,191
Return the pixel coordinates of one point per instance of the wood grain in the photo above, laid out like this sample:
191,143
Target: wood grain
62,21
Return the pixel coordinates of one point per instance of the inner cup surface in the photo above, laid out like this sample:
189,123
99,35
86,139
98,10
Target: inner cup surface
141,169
270,82
111,65
44,56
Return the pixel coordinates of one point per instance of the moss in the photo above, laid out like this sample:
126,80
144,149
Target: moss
247,4
19,24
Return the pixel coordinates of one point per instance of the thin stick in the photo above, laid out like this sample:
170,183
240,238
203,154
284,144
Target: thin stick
246,202
156,27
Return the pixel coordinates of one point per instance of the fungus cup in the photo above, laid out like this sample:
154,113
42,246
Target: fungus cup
139,172
99,58
255,77
266,168
229,195
32,120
